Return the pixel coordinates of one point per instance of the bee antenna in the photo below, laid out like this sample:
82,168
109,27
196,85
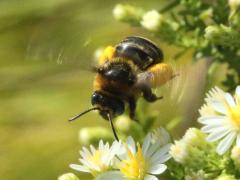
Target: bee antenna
82,113
112,126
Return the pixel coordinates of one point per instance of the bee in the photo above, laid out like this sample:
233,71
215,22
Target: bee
124,73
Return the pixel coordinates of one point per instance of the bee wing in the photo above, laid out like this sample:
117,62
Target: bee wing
173,88
53,42
144,78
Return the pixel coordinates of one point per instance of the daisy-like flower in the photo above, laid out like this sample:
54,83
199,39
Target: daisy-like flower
98,160
141,162
221,118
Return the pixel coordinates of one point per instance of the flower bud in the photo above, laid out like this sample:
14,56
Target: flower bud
179,151
97,54
194,137
199,175
126,126
235,155
234,4
206,16
91,135
68,176
127,13
152,20
225,177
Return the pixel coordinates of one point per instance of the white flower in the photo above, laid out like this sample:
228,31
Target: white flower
68,176
221,118
98,160
152,20
138,162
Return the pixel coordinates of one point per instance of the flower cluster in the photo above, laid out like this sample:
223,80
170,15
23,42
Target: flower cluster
212,152
208,28
127,160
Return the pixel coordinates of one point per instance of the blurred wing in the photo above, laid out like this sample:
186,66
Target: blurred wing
172,85
52,41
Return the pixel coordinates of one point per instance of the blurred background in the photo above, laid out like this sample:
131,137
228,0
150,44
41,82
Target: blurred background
46,49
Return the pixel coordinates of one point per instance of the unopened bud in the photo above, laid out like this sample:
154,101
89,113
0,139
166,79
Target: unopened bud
68,176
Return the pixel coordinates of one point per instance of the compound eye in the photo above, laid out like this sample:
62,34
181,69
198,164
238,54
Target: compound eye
96,98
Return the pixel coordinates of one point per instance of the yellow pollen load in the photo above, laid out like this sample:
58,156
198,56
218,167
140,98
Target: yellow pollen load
235,112
107,55
135,166
161,73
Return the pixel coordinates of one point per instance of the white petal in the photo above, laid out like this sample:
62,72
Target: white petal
92,148
160,152
150,177
238,140
146,143
86,151
153,148
101,145
79,168
212,119
230,99
113,175
161,159
218,133
225,144
238,91
131,144
211,127
219,107
157,169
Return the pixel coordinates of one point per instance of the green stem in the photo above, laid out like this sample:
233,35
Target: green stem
169,6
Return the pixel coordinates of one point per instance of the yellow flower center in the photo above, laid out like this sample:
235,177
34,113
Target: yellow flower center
96,160
234,112
135,166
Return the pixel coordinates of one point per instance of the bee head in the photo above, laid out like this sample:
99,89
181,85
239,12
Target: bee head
107,104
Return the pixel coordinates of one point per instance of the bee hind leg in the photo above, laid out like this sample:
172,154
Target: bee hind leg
148,95
132,107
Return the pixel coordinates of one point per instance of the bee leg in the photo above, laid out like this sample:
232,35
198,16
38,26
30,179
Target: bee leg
148,94
132,106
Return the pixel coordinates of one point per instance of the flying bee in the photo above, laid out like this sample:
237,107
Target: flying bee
124,73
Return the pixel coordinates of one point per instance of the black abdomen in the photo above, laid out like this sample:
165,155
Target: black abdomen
141,51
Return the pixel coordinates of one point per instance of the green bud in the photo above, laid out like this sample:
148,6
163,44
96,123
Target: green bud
225,177
195,137
127,13
68,176
222,35
127,126
199,175
190,150
206,16
91,135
